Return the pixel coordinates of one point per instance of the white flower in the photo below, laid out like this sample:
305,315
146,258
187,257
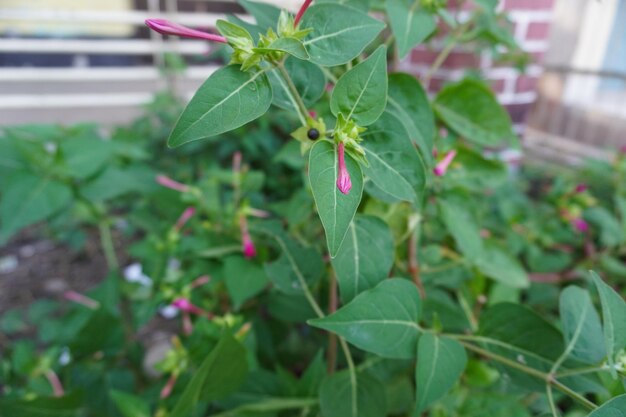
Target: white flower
134,273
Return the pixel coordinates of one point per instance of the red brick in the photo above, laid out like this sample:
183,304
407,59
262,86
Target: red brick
528,4
525,84
518,112
538,30
497,85
456,59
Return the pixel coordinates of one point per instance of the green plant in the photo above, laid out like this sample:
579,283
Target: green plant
402,189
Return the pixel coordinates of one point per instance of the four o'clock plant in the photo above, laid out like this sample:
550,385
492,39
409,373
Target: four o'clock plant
368,137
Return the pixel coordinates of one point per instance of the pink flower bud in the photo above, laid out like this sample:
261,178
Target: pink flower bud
237,162
170,183
441,168
55,382
81,299
581,188
200,281
580,225
169,386
247,245
185,305
344,184
166,27
622,149
303,8
313,114
184,218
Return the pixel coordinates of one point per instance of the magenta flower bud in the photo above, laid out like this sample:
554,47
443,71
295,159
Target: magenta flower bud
313,114
303,8
170,183
581,188
184,218
580,225
55,383
81,299
344,184
441,168
169,386
247,245
165,27
185,305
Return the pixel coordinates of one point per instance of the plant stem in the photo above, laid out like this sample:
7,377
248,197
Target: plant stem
352,370
300,107
446,51
106,240
331,355
549,379
580,371
555,413
329,75
414,268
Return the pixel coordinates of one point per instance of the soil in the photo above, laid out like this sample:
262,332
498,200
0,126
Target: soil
33,268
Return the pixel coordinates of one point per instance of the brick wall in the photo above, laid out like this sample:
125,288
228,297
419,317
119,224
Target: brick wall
531,21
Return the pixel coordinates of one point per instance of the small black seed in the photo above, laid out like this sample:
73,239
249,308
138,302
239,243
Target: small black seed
313,134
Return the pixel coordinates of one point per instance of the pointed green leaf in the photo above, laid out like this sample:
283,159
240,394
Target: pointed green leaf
460,222
614,319
395,166
244,279
383,320
498,264
581,325
365,257
221,372
254,30
265,14
308,78
68,405
229,98
409,102
130,405
440,363
471,109
291,46
361,93
616,407
335,209
410,24
233,31
340,33
297,266
344,396
27,199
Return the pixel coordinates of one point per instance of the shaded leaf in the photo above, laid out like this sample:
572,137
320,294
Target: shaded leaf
410,23
613,318
341,396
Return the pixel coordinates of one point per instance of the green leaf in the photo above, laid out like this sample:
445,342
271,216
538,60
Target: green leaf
498,264
27,199
308,78
221,373
265,14
254,30
410,24
130,405
292,46
409,102
365,257
611,232
244,279
342,396
472,171
470,108
65,406
229,98
335,209
614,319
456,215
440,363
395,166
383,320
232,31
361,93
84,157
521,327
616,407
581,325
339,34
297,266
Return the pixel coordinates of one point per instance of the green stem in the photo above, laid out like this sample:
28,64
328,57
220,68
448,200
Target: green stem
580,371
352,370
555,413
468,311
446,51
549,379
270,405
106,240
300,107
329,75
